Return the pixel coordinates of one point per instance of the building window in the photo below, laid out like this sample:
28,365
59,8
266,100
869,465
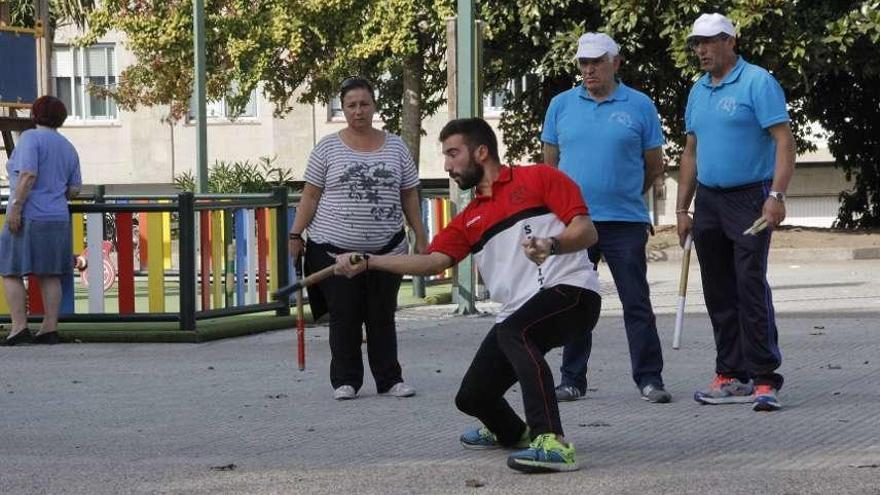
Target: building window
220,109
75,69
334,109
494,101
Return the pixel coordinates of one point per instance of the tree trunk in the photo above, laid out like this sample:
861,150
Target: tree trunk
411,114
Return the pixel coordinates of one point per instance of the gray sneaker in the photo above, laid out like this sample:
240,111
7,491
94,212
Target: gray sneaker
656,394
567,393
344,392
399,389
726,390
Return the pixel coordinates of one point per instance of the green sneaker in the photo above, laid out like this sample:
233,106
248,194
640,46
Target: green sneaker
546,454
483,439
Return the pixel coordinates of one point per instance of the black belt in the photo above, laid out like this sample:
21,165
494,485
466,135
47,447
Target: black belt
387,248
743,187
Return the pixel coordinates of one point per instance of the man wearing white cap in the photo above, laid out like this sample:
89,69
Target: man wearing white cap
738,158
606,136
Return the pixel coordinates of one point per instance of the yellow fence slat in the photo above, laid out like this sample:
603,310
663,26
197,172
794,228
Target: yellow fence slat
217,258
166,239
155,263
273,251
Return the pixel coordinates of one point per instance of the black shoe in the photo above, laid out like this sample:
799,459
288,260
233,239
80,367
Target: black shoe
22,337
48,338
656,393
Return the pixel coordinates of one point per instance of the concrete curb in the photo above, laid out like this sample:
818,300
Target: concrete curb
788,254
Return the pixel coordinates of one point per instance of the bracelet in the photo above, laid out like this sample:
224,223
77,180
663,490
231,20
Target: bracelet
293,236
683,210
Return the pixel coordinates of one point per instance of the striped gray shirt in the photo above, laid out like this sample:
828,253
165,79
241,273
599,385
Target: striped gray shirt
360,206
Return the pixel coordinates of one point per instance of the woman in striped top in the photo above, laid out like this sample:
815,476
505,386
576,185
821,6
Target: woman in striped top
360,183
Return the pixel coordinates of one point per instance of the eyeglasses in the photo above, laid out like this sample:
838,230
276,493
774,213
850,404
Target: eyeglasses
695,41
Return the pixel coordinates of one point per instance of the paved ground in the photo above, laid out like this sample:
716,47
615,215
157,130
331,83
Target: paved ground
116,418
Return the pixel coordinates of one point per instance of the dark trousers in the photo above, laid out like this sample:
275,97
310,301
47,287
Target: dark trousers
622,244
734,271
513,351
369,301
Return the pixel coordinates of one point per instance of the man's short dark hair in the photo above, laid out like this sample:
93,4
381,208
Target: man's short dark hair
475,132
49,111
355,82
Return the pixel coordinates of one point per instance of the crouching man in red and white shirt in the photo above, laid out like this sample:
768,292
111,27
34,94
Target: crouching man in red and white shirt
528,229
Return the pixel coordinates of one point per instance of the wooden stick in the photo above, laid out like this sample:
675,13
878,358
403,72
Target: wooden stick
682,291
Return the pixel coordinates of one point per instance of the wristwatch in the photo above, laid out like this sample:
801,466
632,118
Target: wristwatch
778,196
554,246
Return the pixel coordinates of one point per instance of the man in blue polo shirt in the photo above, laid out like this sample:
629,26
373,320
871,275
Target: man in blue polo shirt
738,157
606,136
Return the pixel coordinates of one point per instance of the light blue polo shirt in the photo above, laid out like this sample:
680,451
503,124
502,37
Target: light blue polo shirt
602,147
53,159
730,123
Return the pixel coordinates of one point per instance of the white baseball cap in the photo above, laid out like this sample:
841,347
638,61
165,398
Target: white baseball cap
595,45
711,25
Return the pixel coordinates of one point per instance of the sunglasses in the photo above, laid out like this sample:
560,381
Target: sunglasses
352,81
696,41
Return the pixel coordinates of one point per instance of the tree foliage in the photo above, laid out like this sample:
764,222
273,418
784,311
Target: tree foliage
299,51
824,53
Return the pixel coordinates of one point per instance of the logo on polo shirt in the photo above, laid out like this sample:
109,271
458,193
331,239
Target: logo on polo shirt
621,118
473,220
727,105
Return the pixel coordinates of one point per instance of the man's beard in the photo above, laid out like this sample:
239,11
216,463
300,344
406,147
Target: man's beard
470,177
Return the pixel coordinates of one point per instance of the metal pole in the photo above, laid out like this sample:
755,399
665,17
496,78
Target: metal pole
187,260
199,94
281,271
467,89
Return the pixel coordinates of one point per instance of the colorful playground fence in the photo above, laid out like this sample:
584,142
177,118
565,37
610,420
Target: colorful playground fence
184,257
231,253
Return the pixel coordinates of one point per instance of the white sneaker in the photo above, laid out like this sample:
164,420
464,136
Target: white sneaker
345,392
400,389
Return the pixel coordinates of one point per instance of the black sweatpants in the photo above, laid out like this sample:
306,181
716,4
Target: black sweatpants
513,351
369,301
733,267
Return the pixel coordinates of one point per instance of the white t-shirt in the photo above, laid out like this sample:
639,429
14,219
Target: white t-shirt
360,207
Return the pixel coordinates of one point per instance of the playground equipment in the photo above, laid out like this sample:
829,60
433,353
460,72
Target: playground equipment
183,258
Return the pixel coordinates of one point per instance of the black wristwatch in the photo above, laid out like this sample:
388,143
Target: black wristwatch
554,246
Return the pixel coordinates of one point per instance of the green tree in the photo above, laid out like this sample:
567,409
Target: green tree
823,53
61,12
297,50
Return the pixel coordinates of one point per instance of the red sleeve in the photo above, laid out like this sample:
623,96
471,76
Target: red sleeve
561,194
452,240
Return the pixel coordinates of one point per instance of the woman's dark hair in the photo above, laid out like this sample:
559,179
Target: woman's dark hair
49,111
475,132
355,82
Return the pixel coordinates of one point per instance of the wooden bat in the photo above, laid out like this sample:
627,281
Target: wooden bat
297,287
682,291
759,225
312,279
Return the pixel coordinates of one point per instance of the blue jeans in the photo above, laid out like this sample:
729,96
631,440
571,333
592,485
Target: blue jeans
622,244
